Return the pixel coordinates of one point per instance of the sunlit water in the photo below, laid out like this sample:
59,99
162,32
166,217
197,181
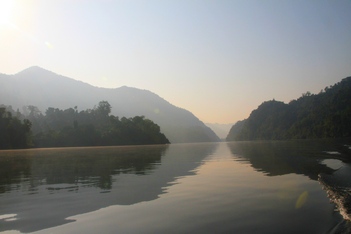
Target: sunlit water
243,187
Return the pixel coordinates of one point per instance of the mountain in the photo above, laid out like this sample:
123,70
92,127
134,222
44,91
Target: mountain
221,130
42,88
323,115
235,130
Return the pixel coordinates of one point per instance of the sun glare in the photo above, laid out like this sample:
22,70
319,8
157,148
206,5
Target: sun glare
6,7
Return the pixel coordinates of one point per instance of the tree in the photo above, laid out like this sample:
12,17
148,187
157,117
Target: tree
94,127
14,133
104,108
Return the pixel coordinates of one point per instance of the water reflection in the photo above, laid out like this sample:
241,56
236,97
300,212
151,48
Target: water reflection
225,196
327,161
305,157
84,166
41,188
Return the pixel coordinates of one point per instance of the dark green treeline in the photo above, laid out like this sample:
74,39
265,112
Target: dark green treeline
92,127
14,133
323,115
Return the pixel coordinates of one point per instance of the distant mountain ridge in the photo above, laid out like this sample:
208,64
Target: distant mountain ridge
42,88
221,130
323,115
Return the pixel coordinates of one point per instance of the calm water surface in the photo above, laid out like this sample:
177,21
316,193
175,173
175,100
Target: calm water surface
242,187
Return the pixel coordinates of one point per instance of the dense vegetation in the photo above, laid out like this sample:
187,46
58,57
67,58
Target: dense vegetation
14,133
323,115
92,127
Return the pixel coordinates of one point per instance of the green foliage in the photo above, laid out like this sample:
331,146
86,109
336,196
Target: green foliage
132,131
14,133
323,115
93,127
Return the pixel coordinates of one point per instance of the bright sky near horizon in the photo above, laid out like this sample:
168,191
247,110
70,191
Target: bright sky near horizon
217,59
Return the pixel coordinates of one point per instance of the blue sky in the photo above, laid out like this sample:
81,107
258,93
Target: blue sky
217,59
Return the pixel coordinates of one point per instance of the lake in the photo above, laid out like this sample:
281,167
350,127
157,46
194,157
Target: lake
236,187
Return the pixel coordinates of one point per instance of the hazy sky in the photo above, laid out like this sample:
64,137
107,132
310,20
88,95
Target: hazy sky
217,59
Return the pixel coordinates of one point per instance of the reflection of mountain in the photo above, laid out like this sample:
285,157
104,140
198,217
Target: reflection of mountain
44,187
306,157
284,157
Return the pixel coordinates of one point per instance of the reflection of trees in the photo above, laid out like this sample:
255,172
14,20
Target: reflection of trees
13,169
138,173
284,157
87,166
303,157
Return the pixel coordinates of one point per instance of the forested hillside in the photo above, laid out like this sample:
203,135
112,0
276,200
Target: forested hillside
235,130
323,115
58,128
44,89
14,133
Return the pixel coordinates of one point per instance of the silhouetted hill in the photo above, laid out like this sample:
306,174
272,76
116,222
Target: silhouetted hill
323,115
235,130
43,88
